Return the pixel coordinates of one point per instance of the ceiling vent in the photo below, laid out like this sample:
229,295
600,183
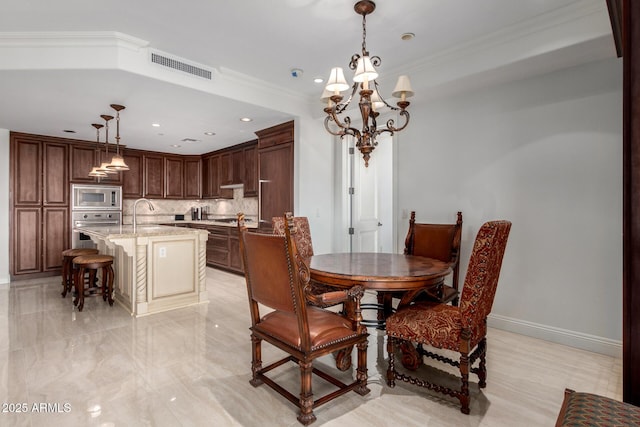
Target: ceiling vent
180,66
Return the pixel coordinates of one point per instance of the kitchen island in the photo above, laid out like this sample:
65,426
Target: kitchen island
157,268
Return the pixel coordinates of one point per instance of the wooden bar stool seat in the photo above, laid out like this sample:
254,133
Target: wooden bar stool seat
91,264
67,266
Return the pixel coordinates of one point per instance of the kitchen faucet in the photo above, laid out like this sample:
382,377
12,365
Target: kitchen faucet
135,205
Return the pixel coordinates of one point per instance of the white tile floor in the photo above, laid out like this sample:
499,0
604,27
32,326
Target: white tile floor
191,367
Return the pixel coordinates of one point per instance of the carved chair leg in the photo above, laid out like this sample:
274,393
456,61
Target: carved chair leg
482,369
361,373
306,416
256,360
391,370
411,359
464,389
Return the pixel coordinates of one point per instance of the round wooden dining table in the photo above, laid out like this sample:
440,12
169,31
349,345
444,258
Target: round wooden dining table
382,272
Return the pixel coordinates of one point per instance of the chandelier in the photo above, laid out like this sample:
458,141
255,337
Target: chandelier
370,99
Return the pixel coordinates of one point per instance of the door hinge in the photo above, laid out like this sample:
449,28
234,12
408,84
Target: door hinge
351,190
351,150
351,230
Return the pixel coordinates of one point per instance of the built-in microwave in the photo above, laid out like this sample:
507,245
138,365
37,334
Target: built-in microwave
96,197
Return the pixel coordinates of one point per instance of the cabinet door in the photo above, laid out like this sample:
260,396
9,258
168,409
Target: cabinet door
237,167
153,176
174,176
192,178
55,237
276,174
83,157
26,159
132,180
251,171
27,240
235,260
226,169
55,173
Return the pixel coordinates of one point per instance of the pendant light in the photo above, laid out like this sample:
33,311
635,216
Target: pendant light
103,167
95,172
117,162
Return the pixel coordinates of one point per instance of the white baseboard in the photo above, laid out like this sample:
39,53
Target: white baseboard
579,340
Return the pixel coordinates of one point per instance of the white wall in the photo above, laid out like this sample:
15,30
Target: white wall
546,154
4,206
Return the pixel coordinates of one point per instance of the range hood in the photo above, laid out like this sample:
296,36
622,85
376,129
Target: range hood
226,186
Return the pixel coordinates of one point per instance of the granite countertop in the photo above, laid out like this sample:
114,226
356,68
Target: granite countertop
248,223
141,230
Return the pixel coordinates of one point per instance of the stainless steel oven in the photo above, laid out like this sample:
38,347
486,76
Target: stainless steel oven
93,206
96,197
91,219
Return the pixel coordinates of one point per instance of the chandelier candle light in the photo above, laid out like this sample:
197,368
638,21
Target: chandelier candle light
370,100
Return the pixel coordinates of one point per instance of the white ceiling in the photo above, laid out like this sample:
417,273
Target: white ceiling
63,62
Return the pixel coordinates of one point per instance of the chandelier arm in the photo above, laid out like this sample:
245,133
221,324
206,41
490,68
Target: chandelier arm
390,122
343,106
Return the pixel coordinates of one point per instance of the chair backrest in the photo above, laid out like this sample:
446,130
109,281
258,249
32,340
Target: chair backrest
438,241
300,231
274,276
483,272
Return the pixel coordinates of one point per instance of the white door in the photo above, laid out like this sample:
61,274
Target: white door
371,199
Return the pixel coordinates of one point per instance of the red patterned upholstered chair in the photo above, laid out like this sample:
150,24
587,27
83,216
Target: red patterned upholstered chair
301,234
276,277
461,329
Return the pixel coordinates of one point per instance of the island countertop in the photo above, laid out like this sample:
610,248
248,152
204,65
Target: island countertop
145,230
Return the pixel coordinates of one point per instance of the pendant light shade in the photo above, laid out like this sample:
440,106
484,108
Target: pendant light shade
117,161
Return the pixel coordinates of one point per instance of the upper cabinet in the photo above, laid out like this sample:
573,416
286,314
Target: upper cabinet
250,158
174,177
132,180
154,175
192,177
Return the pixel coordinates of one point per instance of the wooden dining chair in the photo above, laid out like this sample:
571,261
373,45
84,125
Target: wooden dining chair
460,329
276,276
441,242
301,233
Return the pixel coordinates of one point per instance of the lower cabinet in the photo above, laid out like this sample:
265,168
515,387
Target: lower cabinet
223,247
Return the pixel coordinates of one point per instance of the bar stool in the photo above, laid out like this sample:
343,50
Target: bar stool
90,264
67,266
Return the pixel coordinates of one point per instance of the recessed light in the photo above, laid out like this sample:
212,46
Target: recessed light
407,36
176,145
69,131
246,119
155,125
318,80
209,133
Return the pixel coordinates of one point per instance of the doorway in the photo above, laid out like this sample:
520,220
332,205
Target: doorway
369,206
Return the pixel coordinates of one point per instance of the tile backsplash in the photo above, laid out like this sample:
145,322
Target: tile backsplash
166,209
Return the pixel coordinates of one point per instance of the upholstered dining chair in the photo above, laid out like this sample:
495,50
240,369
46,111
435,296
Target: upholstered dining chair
443,326
276,275
441,242
301,234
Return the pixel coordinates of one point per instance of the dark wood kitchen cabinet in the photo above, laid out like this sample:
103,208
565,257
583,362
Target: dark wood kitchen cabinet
275,169
250,156
193,177
174,177
211,176
153,172
133,179
39,223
